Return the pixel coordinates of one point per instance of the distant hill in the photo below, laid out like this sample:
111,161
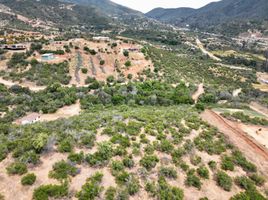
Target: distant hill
106,6
55,12
216,14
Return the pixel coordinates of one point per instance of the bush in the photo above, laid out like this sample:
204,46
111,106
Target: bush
133,185
168,172
195,160
84,70
203,172
116,167
259,180
193,180
128,63
61,170
65,146
245,183
122,177
17,168
165,191
91,189
110,79
149,161
28,179
76,157
102,62
45,191
240,160
249,195
212,165
224,181
128,162
227,163
110,193
126,53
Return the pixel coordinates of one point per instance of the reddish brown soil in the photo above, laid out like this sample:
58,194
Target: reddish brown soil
254,151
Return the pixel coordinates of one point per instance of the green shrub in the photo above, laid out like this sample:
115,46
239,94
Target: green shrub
28,179
76,157
195,160
133,185
65,146
102,156
128,162
17,168
249,195
110,79
240,160
165,191
224,181
165,146
204,198
110,193
227,163
61,170
122,177
193,180
45,191
245,183
126,53
2,197
203,172
91,189
84,70
102,62
128,63
149,161
168,172
259,180
116,167
212,165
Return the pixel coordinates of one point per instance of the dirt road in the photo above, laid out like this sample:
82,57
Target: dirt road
259,108
255,152
31,86
201,47
198,93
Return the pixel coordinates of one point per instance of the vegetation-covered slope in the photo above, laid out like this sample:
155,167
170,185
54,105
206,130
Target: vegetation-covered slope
59,13
214,14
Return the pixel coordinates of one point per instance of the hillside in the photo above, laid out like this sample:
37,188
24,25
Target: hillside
54,13
238,12
106,7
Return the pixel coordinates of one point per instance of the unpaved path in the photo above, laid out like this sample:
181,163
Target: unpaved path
64,112
198,93
201,47
31,86
259,108
255,152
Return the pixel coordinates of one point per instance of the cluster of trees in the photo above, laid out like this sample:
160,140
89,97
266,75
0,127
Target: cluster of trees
141,93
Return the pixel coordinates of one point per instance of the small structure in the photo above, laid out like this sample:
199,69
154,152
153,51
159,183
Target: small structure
15,47
47,56
101,38
29,119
